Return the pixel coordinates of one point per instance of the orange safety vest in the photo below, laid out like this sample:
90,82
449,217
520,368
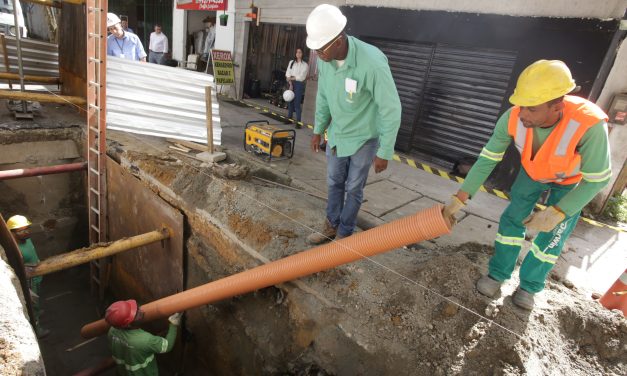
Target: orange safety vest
557,160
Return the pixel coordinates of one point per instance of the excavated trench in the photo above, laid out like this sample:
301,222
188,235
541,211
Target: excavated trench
412,311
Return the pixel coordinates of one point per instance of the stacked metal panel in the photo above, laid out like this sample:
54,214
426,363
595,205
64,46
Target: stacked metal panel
38,58
158,100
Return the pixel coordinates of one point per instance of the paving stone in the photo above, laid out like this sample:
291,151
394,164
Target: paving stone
384,196
412,207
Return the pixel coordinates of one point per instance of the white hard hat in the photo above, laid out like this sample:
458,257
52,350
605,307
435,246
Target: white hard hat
324,23
112,19
288,95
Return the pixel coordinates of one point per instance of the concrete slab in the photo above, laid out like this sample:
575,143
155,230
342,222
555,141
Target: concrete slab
211,157
385,196
40,151
593,257
486,206
470,229
429,185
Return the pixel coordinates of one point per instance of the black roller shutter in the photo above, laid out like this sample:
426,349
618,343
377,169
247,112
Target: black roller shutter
409,64
464,94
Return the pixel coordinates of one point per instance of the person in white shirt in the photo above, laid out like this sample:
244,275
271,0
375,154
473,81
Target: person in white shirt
296,75
158,47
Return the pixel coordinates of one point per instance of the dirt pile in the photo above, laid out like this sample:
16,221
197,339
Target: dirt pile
406,312
566,334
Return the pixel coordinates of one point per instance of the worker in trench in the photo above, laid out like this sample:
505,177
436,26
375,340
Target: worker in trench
564,149
356,89
20,229
134,349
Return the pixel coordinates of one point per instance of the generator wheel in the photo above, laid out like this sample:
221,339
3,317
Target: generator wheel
277,151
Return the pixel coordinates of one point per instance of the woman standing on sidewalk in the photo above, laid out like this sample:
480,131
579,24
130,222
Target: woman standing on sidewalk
296,75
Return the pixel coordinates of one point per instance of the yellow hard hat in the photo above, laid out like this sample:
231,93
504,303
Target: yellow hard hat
18,221
541,82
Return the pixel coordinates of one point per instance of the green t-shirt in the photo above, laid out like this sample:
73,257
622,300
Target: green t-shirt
134,350
595,162
359,100
29,254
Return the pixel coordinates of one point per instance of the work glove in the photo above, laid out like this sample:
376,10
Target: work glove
175,319
544,220
454,205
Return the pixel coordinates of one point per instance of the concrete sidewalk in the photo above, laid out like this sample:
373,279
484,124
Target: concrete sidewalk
592,259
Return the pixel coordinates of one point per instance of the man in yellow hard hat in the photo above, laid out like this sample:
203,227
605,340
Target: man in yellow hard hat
562,140
20,229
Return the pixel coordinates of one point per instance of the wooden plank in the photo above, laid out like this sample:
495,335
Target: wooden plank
189,144
41,97
209,116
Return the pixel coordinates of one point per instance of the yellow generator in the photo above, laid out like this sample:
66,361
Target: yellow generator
269,141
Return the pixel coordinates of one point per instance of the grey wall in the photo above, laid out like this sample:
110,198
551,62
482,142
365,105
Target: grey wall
54,203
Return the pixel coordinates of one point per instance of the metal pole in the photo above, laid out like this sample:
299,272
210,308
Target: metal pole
18,38
85,255
38,171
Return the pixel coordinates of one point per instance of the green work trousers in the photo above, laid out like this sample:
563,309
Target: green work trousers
34,284
546,247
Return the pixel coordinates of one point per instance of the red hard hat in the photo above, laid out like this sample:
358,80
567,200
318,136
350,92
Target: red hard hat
120,314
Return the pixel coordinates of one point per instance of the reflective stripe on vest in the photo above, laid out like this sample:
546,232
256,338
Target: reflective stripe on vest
521,135
569,133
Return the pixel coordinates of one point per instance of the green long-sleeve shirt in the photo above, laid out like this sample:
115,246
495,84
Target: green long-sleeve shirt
595,162
134,350
29,254
361,98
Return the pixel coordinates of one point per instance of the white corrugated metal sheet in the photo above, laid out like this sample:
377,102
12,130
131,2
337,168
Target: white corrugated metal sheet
159,101
38,58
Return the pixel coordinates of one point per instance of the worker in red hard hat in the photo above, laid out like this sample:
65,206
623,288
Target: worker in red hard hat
134,349
20,229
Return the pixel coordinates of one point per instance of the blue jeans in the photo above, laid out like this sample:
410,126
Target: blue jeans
299,90
346,178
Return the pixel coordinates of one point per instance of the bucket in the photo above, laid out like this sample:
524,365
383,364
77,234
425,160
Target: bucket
224,18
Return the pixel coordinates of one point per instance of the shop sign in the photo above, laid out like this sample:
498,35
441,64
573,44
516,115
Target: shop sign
223,72
202,4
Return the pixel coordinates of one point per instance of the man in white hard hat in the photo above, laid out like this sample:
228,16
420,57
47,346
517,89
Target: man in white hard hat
122,43
357,91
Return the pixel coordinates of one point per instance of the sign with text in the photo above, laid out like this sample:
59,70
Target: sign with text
202,4
223,67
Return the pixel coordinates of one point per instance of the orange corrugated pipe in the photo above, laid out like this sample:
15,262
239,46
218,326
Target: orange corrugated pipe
424,225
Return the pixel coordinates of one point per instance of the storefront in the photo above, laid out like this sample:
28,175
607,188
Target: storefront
196,25
143,15
270,49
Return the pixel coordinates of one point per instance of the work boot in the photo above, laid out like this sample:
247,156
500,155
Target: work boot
523,299
488,286
327,234
339,236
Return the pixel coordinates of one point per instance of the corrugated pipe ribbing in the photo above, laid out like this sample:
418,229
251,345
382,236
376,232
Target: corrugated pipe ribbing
424,225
